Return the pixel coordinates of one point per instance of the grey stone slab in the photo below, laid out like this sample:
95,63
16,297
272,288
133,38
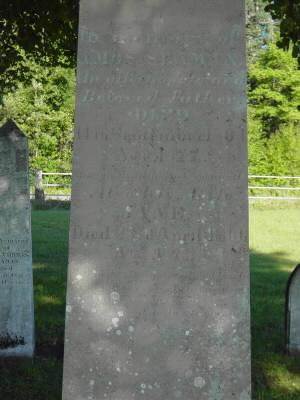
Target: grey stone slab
158,285
293,313
16,287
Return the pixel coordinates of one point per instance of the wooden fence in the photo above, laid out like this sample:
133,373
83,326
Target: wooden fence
57,186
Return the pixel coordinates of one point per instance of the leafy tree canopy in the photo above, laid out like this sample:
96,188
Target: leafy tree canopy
44,110
42,29
274,90
261,29
288,13
274,114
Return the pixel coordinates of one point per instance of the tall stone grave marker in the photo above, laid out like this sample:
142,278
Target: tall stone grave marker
158,293
16,288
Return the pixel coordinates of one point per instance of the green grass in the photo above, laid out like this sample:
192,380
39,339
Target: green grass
275,250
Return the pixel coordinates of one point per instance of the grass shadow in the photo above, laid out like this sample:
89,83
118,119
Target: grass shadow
275,375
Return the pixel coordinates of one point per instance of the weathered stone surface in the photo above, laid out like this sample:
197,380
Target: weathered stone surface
158,293
16,288
293,313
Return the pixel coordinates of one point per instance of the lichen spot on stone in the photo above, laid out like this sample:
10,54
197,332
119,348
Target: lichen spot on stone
199,382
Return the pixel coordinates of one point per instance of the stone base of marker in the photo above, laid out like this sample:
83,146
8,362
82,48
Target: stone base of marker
39,195
16,283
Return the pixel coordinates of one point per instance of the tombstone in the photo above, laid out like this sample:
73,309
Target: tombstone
16,288
158,283
292,313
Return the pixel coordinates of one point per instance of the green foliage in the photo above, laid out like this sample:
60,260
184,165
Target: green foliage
260,28
288,13
274,90
274,114
283,152
44,110
278,155
44,30
257,159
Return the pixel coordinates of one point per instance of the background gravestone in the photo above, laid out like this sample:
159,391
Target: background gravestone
158,287
16,288
293,313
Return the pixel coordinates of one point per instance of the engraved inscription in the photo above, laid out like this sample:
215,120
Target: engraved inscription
158,304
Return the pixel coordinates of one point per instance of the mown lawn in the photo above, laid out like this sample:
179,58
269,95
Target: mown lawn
275,250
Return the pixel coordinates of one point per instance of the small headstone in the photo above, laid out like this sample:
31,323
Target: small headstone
16,286
293,313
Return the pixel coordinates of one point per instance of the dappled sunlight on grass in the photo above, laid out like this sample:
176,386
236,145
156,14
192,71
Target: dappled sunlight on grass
281,376
275,251
49,300
39,266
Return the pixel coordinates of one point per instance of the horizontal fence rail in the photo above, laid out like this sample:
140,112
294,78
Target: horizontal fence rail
268,192
273,188
57,186
273,177
57,173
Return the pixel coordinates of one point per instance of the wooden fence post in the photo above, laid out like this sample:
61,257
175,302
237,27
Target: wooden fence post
39,193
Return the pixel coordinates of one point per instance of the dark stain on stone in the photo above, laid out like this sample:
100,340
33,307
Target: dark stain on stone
7,341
